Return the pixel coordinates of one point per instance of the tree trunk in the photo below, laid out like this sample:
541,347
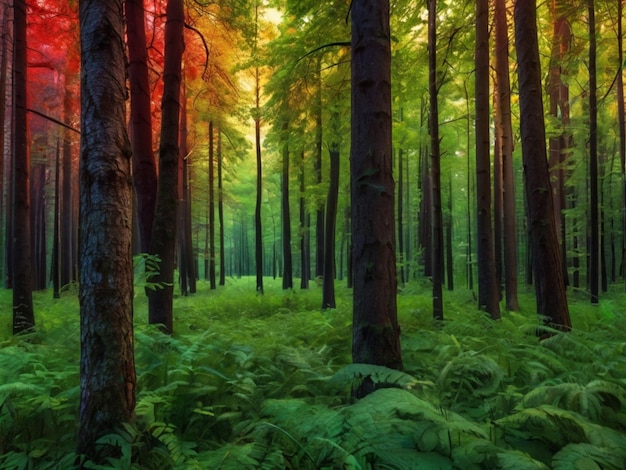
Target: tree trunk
305,231
375,325
317,167
107,370
622,127
508,181
286,214
328,288
56,245
259,190
164,224
549,285
4,61
211,221
449,250
38,225
400,196
220,208
488,292
144,164
594,223
436,220
23,315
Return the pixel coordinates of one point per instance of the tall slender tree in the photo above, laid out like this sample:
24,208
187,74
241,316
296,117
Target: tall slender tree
376,334
285,212
488,292
436,221
164,224
506,139
144,163
23,314
107,370
546,256
594,209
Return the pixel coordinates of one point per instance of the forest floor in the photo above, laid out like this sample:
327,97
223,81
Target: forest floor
264,381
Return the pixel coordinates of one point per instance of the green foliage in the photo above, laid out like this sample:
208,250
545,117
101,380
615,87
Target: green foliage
252,382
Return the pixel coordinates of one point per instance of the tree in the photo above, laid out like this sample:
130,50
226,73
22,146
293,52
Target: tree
549,284
23,314
435,166
488,292
506,152
328,287
285,213
107,371
164,224
594,222
375,325
144,164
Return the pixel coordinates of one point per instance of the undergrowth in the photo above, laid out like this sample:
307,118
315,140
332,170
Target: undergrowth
251,381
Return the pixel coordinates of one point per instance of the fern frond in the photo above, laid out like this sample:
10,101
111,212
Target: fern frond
351,376
588,456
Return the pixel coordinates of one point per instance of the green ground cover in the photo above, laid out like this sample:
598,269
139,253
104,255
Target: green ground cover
252,381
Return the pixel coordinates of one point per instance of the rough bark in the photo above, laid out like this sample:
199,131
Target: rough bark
548,274
488,292
107,371
23,315
375,326
164,224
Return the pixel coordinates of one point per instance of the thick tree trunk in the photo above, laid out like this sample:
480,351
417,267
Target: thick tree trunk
508,184
23,315
164,224
436,220
375,325
144,164
286,214
107,370
488,292
549,285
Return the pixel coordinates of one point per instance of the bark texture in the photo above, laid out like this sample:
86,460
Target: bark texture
164,225
549,285
375,326
107,371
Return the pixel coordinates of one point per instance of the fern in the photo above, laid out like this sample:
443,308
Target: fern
351,376
598,401
588,456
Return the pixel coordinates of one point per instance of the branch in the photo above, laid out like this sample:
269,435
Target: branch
51,119
206,48
331,44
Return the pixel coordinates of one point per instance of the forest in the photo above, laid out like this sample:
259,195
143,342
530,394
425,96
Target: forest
348,234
